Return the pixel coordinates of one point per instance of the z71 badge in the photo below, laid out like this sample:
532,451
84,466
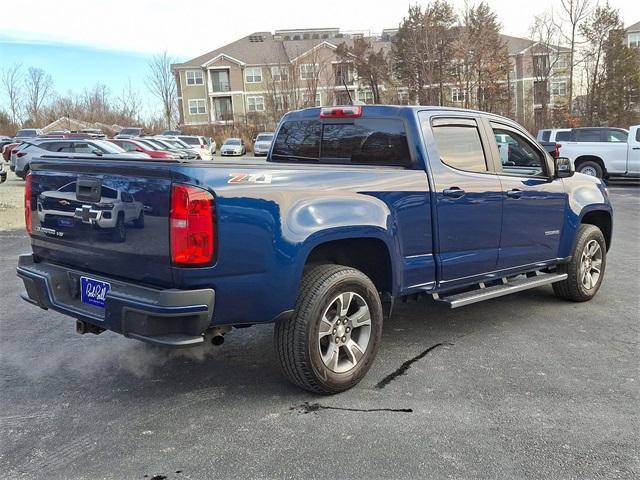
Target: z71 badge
249,178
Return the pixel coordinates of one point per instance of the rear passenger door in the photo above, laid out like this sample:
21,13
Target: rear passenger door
467,195
533,201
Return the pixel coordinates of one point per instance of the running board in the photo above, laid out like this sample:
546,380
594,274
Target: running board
507,287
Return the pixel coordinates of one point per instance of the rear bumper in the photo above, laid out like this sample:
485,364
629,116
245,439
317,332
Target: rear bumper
168,317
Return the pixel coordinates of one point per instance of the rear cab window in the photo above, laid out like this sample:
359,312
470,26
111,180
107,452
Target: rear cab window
564,136
546,135
356,141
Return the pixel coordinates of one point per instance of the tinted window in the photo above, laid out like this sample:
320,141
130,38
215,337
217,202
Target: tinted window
360,141
191,140
546,135
298,140
638,135
517,155
264,138
615,136
460,147
126,197
588,135
367,141
56,146
83,148
563,136
232,141
130,131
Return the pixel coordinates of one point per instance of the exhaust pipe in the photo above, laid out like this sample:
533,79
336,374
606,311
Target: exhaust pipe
217,334
84,327
217,340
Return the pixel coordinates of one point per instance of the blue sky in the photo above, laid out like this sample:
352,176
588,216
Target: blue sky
74,68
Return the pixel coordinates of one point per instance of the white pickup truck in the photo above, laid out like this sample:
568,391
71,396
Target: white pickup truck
604,152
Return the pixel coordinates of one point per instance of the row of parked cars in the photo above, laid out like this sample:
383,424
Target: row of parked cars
129,143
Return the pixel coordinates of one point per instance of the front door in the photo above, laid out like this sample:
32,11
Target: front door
467,197
533,203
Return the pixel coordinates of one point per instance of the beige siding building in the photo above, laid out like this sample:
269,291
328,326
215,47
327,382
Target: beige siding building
269,73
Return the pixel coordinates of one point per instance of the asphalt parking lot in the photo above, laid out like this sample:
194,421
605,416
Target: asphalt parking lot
526,386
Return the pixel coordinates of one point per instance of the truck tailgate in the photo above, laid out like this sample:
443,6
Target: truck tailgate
114,222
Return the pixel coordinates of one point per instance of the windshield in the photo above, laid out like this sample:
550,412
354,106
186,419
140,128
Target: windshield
108,147
191,140
264,137
130,131
149,144
29,132
232,141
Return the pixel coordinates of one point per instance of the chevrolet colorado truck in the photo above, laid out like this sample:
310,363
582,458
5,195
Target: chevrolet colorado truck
353,208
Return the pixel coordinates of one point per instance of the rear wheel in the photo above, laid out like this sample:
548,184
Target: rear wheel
139,222
590,168
586,269
332,338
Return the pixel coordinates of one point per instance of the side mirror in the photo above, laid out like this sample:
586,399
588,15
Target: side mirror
564,167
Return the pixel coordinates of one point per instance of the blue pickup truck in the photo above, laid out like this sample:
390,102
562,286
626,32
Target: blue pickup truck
353,208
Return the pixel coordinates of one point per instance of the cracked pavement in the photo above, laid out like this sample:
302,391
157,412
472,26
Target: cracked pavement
526,386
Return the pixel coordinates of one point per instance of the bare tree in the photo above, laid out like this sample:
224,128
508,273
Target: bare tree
12,84
130,103
38,87
162,84
574,12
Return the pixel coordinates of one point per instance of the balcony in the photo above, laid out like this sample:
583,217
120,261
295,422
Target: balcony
220,87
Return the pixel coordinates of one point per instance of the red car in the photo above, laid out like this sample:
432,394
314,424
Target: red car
135,146
7,149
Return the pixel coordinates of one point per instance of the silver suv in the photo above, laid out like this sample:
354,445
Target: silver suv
23,154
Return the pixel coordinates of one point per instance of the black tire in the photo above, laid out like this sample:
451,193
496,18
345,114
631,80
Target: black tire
119,234
139,222
573,287
590,168
297,338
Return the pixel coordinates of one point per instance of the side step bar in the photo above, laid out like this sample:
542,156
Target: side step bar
507,287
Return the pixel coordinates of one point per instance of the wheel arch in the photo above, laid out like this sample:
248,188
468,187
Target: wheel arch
601,219
590,158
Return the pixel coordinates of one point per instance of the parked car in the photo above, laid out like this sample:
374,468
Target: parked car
200,145
554,135
233,146
129,132
175,145
113,212
7,149
93,132
262,143
134,145
4,140
171,133
22,157
25,133
3,173
604,152
399,201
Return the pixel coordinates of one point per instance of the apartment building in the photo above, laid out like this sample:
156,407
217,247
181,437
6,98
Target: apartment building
269,73
632,36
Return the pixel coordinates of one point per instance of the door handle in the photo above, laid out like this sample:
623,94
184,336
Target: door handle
453,192
515,193
636,148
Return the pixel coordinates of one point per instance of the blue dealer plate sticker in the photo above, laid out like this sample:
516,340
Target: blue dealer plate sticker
93,292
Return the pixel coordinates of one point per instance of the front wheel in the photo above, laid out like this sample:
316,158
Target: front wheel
586,269
332,338
593,169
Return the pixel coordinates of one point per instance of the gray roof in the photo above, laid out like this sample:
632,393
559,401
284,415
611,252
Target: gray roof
264,48
634,28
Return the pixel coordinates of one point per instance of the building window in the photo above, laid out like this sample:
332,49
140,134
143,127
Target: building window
280,74
458,95
308,100
253,75
195,77
634,40
197,107
309,71
562,62
366,96
559,88
541,65
255,104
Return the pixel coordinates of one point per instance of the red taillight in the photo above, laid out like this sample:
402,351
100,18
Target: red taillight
341,112
192,226
558,147
27,204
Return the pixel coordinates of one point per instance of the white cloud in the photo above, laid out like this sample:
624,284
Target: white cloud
191,27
